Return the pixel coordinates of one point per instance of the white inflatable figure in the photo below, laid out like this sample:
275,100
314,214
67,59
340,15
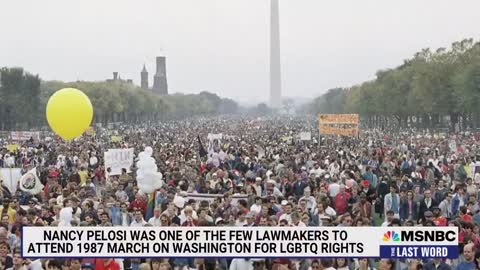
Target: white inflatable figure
149,151
66,216
148,178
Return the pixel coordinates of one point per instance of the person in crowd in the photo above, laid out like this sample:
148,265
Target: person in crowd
392,202
386,264
138,220
469,258
156,219
436,264
341,264
399,179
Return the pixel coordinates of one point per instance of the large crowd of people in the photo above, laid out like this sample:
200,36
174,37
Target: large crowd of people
402,178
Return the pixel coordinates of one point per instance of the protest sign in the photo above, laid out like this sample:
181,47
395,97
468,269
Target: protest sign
339,119
339,124
24,135
116,138
329,130
12,147
212,136
117,159
10,177
305,136
198,197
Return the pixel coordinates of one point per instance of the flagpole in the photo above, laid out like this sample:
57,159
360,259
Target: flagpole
11,180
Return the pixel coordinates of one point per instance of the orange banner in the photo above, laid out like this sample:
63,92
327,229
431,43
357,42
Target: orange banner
338,119
342,131
338,124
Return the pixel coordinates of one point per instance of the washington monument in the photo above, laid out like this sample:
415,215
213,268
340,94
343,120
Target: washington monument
275,72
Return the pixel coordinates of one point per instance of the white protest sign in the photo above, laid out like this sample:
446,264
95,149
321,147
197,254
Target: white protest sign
25,135
453,145
212,137
198,197
117,159
305,136
10,177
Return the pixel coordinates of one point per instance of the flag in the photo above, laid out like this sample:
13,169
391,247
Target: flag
150,205
30,182
203,152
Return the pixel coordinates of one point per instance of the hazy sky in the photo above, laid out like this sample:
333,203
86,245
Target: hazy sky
223,45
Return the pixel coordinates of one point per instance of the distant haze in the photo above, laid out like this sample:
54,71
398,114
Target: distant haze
222,45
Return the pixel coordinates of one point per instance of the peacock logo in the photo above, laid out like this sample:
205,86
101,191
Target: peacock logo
391,236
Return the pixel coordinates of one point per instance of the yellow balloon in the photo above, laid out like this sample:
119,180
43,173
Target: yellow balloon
69,113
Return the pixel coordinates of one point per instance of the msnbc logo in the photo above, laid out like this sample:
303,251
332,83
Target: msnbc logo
391,236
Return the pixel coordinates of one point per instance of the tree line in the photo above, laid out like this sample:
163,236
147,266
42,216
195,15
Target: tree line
433,89
23,99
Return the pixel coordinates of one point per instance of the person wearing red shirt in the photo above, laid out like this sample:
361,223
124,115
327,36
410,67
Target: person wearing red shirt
100,173
341,200
438,219
139,203
106,264
466,235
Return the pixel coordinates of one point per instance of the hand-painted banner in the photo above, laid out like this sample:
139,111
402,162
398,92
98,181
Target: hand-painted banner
342,131
338,124
25,135
118,159
338,119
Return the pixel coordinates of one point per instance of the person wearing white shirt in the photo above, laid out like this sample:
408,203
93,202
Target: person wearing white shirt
334,168
295,220
62,197
310,200
257,206
333,188
9,160
317,171
327,264
287,215
155,220
93,161
138,221
121,195
213,181
77,211
330,211
188,208
34,265
257,186
241,221
241,264
388,219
